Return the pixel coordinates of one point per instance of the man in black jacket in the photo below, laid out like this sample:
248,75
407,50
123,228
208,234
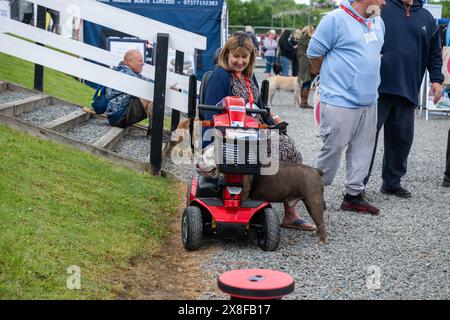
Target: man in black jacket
411,45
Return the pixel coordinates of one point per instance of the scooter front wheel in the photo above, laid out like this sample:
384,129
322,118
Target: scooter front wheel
192,228
270,231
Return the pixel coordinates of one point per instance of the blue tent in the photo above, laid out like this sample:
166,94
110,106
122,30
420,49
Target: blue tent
201,17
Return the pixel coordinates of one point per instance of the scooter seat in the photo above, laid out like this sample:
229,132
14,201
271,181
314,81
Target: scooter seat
208,187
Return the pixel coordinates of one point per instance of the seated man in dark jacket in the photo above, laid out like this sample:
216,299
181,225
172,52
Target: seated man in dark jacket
123,109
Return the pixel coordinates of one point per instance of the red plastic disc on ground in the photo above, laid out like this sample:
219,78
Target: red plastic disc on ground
256,283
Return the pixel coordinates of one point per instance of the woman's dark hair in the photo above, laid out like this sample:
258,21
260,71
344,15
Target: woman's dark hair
284,35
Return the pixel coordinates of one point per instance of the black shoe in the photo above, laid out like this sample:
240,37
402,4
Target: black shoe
358,204
398,192
306,106
446,181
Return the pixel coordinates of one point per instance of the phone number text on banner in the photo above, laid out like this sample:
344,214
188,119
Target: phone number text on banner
176,3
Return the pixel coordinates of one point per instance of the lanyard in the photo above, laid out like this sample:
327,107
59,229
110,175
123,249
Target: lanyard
358,18
249,90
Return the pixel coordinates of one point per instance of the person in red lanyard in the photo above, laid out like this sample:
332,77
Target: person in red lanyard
346,49
234,76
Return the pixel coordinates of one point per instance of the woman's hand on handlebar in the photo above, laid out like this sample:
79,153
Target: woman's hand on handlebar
276,118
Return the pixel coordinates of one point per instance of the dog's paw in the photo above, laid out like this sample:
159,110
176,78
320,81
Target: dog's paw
324,239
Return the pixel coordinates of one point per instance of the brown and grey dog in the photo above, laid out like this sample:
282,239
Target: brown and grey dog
292,182
289,84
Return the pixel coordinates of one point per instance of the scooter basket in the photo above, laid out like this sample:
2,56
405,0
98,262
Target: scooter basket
240,150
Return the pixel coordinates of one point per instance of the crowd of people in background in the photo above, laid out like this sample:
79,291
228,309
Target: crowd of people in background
286,49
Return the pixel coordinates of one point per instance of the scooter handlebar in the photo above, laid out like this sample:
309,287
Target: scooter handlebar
211,108
256,111
222,108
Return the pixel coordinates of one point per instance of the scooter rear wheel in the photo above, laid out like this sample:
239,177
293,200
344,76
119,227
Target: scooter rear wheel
192,228
270,232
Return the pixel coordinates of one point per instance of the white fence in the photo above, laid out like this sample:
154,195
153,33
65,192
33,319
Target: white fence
74,63
110,17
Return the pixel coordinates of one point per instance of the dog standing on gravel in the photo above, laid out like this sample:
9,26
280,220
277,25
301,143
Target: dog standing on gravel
292,183
289,84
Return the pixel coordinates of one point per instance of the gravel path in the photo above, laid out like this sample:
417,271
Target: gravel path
90,131
8,96
408,243
134,145
47,113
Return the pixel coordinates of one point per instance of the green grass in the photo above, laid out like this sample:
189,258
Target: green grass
61,207
56,84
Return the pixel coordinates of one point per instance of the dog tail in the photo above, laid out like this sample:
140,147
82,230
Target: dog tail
320,172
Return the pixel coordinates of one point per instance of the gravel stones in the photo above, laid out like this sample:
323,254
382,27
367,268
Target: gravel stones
8,96
47,113
135,145
89,131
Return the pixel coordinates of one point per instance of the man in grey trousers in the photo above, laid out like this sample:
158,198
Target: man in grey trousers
349,62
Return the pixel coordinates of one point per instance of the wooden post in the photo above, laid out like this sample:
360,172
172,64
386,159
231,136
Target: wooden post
159,101
192,107
38,69
179,64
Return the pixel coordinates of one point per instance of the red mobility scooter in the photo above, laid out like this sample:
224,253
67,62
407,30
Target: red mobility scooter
215,205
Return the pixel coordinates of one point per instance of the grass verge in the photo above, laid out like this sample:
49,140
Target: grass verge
61,207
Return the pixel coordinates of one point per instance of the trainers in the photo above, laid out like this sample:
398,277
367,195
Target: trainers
358,204
446,181
398,192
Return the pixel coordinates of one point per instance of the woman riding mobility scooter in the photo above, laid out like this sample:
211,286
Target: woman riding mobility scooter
216,205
